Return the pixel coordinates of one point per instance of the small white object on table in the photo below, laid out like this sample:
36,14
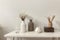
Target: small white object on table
14,34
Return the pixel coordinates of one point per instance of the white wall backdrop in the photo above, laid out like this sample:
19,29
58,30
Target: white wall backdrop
38,9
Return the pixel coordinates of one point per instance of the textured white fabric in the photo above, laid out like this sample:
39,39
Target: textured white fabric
32,34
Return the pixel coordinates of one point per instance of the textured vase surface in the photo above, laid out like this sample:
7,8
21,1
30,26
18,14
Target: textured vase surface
22,27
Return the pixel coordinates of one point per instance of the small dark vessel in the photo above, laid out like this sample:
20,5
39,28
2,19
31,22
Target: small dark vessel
30,26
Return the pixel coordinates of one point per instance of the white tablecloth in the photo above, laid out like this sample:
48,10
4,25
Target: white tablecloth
32,35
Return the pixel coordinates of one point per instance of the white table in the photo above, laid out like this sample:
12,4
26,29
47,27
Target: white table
13,35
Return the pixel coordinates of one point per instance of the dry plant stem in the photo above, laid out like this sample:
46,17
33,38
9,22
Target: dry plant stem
52,18
49,24
50,21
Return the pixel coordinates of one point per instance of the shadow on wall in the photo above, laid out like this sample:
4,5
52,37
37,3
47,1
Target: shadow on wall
1,33
58,22
58,25
39,24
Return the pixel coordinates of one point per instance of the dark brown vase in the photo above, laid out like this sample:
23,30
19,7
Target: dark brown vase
30,26
47,29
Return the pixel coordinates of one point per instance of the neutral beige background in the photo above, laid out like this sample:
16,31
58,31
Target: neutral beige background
38,9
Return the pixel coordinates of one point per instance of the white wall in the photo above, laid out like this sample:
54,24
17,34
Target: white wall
38,9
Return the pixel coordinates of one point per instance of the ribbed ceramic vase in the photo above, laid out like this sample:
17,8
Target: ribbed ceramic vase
22,27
